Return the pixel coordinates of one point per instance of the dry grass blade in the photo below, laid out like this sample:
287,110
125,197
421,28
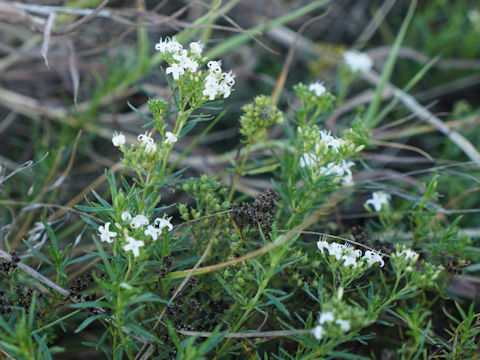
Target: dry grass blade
425,115
262,334
402,146
288,61
73,67
46,36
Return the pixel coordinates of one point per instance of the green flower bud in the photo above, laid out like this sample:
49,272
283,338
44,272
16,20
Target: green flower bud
158,107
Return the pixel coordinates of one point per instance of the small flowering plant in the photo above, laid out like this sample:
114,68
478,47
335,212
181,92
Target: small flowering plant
193,277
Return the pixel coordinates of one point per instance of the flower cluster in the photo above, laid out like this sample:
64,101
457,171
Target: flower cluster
118,139
341,170
182,62
328,318
147,155
378,199
357,61
407,254
218,83
314,100
349,255
138,222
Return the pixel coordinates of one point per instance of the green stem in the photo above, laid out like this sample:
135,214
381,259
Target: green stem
239,172
251,305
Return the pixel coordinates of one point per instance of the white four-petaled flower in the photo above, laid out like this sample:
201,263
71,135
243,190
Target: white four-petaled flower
125,216
174,46
139,220
118,139
408,254
330,140
326,317
153,232
197,47
162,45
133,245
162,222
148,141
378,199
340,171
105,234
229,78
171,138
344,324
357,61
215,66
176,70
317,88
372,257
318,332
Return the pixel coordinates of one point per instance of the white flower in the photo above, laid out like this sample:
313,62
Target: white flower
336,250
212,79
225,90
162,222
210,91
351,251
378,199
349,260
176,70
148,141
357,61
307,160
185,61
326,317
171,138
145,138
162,45
372,257
105,234
322,244
153,232
344,252
318,332
191,64
133,245
125,216
344,324
118,139
197,47
168,45
341,171
215,66
317,88
173,46
330,140
408,254
138,221
229,78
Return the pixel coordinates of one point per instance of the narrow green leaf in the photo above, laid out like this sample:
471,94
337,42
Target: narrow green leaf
142,115
370,117
88,321
37,253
